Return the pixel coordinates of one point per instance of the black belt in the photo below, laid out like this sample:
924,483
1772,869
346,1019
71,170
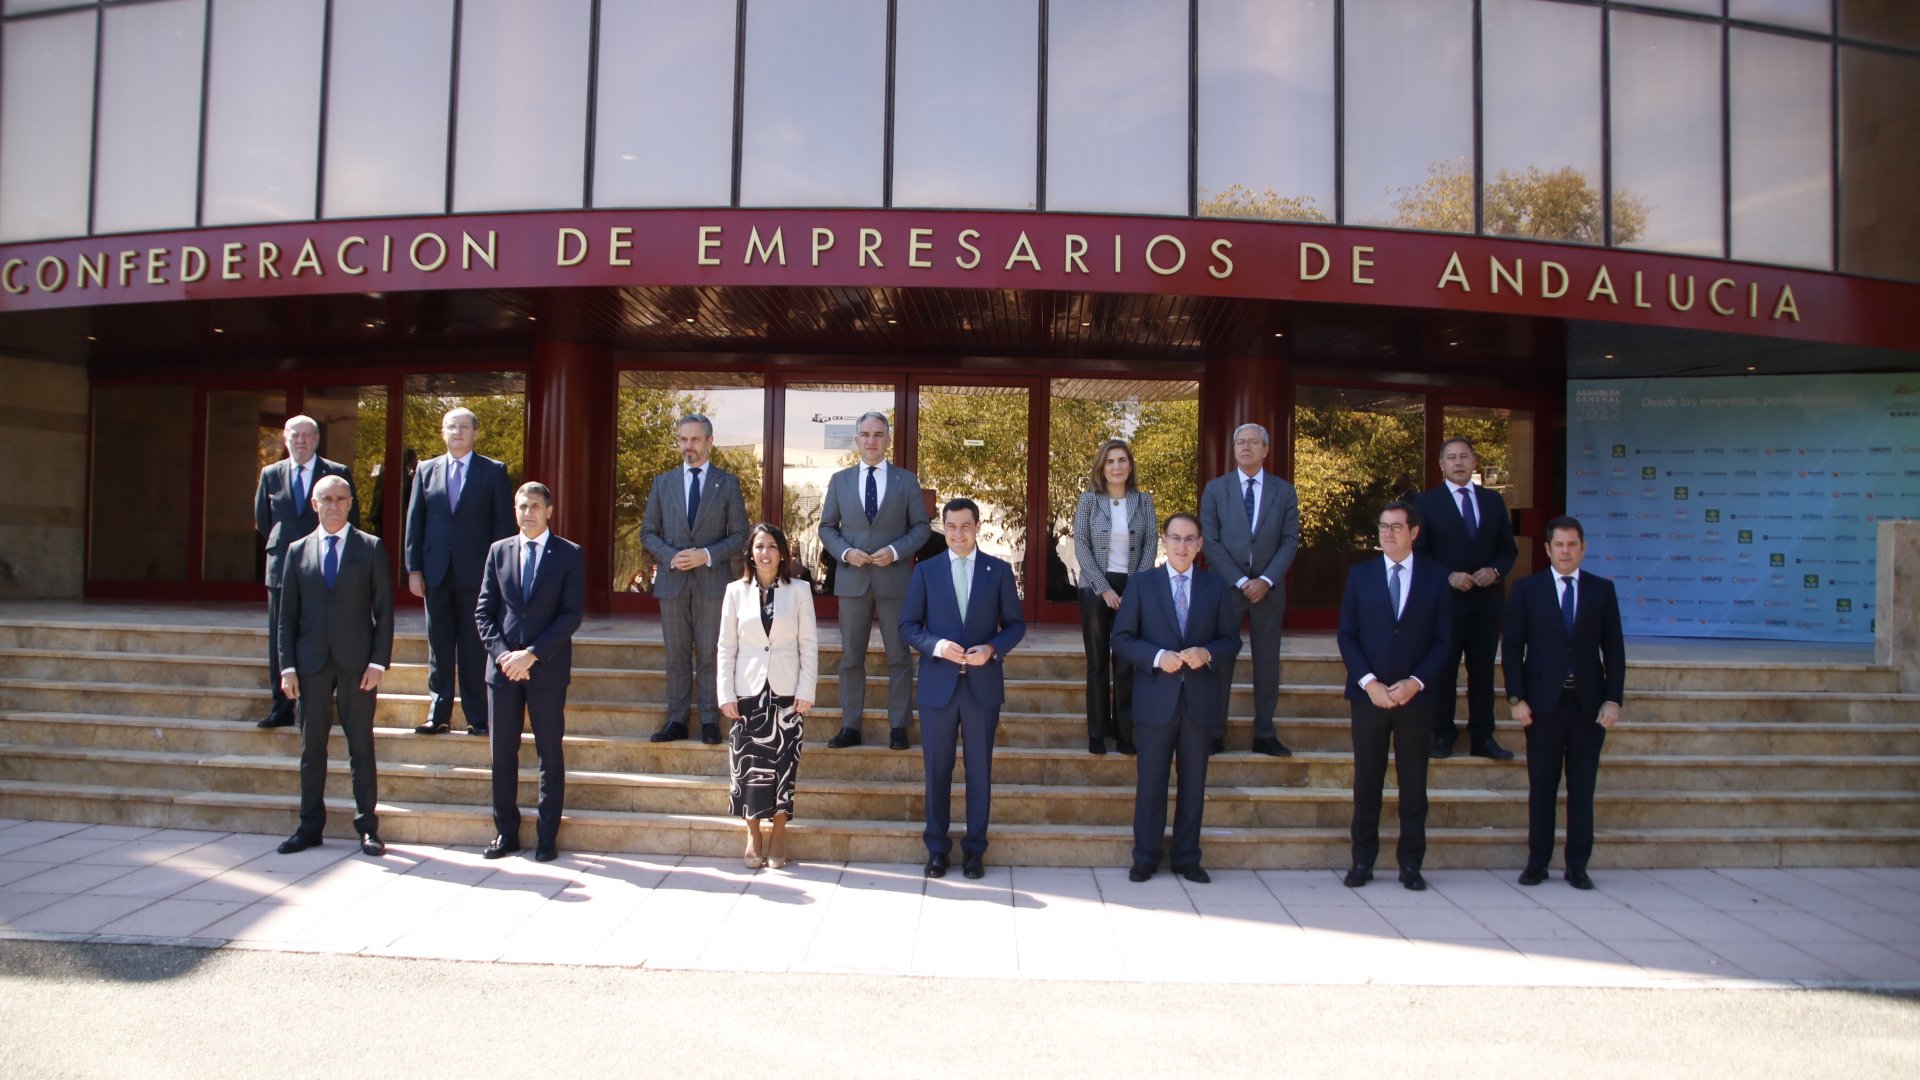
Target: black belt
1568,684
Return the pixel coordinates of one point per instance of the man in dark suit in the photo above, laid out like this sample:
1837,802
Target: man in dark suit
283,513
336,634
871,523
461,503
1468,533
1251,521
694,524
962,614
1395,618
1174,626
531,600
1566,666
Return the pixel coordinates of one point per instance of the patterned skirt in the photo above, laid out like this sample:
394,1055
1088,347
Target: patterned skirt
763,755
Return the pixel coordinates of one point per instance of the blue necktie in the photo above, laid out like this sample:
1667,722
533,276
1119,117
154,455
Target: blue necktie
1566,604
526,572
1249,499
300,489
873,494
454,485
330,566
1466,511
1393,591
693,499
1180,602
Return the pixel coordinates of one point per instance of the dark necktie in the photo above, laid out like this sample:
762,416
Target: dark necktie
1393,591
453,486
693,499
873,494
1249,499
1466,511
526,571
330,566
300,489
1566,604
1180,603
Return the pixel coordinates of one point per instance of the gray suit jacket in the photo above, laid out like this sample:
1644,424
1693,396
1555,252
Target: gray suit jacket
901,524
279,520
350,624
1236,548
721,530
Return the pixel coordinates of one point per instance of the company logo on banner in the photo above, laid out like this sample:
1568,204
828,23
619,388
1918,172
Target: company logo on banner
1758,499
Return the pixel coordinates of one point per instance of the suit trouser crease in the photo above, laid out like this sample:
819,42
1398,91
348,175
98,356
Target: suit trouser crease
510,706
1109,677
281,703
1476,636
454,649
940,726
324,698
1407,729
1263,621
690,623
856,632
1181,744
1568,739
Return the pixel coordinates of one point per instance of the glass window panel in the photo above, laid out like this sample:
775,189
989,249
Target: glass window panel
387,110
498,400
965,101
46,126
1266,109
522,136
1409,86
149,137
1666,131
815,116
142,456
1800,14
1700,7
973,442
263,111
1879,158
649,403
353,432
1887,22
1540,107
1782,150
21,7
1353,451
1117,106
820,422
245,433
664,50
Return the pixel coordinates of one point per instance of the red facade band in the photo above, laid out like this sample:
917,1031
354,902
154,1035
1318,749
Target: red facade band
1251,521
1113,541
1467,532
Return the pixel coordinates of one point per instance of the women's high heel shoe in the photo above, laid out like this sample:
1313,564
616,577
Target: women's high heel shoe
752,857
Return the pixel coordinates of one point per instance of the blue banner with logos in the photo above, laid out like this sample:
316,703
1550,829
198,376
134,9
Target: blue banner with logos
1743,507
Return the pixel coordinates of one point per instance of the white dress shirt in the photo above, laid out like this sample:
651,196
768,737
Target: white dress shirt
1406,590
1119,542
1259,491
686,490
879,496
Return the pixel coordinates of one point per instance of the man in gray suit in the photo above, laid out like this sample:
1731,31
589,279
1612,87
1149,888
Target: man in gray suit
872,522
336,633
694,524
1251,521
283,512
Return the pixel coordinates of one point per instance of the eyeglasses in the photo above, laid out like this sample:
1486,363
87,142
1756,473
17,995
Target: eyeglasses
1392,527
1172,538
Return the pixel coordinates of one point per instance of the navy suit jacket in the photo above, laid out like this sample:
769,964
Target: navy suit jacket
1537,654
545,621
1443,538
280,520
444,541
1146,624
932,612
1373,641
350,624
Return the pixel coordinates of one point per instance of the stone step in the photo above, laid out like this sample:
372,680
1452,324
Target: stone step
1011,844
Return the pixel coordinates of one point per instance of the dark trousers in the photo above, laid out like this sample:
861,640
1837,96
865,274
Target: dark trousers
1185,741
280,702
939,727
690,625
1568,739
1109,678
454,653
1476,635
509,706
1407,728
320,693
856,631
1263,621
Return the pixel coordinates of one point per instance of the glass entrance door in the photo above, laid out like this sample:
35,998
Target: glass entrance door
1503,440
974,441
816,441
1354,449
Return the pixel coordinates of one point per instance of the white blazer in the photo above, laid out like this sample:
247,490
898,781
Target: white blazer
749,659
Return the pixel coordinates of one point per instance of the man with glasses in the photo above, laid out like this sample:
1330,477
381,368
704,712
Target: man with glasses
1251,521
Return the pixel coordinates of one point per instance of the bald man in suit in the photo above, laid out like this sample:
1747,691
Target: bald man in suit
283,513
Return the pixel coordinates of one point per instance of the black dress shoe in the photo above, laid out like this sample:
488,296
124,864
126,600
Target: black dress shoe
1194,874
545,853
674,731
937,866
431,728
710,734
1531,877
1579,879
1442,748
1271,748
277,718
1491,749
500,848
297,842
1097,746
1413,881
371,844
1357,876
1140,872
973,867
480,730
1126,747
897,738
844,738
1217,746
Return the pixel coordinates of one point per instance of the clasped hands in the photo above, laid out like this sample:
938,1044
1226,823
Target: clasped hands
689,559
731,709
517,665
1392,697
1479,579
290,682
856,557
1195,658
974,657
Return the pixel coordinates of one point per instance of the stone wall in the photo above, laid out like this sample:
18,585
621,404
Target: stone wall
1896,601
43,448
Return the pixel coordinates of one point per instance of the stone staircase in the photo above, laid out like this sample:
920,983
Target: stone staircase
142,716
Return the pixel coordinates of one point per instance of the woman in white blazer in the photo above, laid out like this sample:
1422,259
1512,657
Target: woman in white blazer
767,665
